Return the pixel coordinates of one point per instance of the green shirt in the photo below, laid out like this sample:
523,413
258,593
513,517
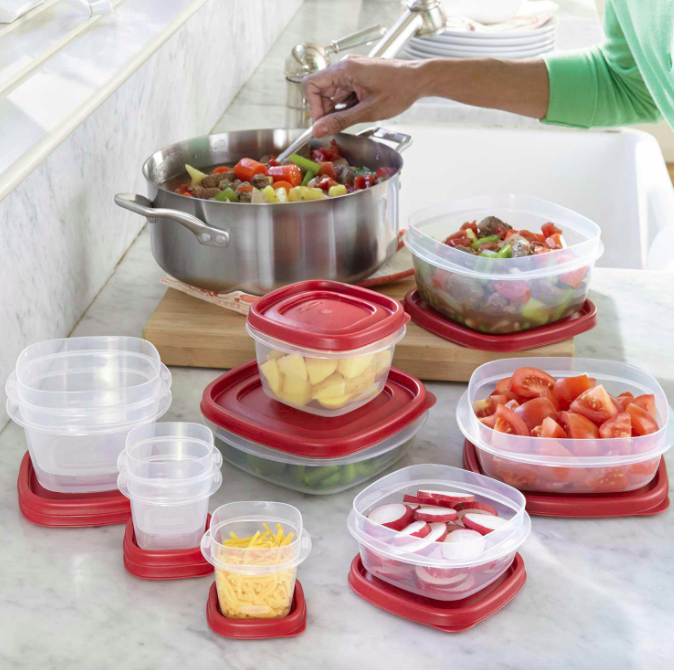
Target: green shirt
628,79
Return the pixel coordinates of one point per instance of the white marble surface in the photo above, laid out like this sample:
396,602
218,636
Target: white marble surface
60,233
599,593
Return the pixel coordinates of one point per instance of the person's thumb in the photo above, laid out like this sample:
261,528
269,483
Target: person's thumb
336,122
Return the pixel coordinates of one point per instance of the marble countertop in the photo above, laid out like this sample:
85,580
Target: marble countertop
599,593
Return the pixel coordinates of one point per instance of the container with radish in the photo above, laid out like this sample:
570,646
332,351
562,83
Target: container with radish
438,531
564,425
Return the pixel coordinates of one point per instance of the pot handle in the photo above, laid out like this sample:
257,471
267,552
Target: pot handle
206,235
401,140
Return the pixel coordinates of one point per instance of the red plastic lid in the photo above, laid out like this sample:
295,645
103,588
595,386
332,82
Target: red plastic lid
650,499
236,402
425,316
176,564
74,510
451,617
327,315
258,629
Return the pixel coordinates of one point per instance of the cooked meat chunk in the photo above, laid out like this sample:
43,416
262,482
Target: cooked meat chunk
520,246
204,193
488,226
548,292
466,290
235,184
260,181
467,250
245,196
345,175
214,180
496,304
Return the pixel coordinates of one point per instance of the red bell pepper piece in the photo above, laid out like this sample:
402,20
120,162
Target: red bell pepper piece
363,181
247,168
290,173
327,169
219,170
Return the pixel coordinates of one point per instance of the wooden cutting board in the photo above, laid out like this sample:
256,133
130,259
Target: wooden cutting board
190,332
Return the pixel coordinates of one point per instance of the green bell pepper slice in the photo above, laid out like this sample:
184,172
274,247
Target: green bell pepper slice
485,240
317,475
227,196
566,301
536,311
505,251
308,176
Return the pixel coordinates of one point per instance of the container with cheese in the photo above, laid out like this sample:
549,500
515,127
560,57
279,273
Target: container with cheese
256,548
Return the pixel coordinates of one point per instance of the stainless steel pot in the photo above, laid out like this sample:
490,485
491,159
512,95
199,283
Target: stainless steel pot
256,248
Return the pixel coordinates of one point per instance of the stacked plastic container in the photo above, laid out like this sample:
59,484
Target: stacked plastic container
169,472
77,399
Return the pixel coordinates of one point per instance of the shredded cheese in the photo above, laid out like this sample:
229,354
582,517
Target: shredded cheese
256,596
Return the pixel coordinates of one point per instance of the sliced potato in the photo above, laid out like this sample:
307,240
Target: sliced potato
360,383
331,387
293,366
319,369
354,367
273,376
335,403
274,354
382,362
296,391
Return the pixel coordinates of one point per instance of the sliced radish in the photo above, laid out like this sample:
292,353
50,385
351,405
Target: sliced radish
450,498
394,515
463,544
417,500
435,514
454,525
412,506
468,584
438,578
475,508
423,545
483,523
438,532
417,529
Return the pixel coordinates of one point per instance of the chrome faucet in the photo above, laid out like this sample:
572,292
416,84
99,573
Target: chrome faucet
421,17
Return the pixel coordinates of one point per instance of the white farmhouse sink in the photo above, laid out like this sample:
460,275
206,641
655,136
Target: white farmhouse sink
616,178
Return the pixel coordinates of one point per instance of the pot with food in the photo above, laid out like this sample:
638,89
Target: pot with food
227,216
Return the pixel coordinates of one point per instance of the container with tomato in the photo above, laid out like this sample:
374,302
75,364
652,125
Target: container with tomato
564,425
478,262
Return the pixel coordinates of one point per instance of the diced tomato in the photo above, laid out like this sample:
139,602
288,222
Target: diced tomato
567,389
489,421
503,385
593,381
556,474
363,181
533,412
499,399
247,168
644,468
611,480
484,408
319,156
508,422
384,173
470,224
282,184
221,169
573,278
552,398
509,395
541,250
516,291
501,231
623,400
550,428
532,237
642,422
327,169
647,402
487,246
536,431
555,241
182,189
530,382
188,194
272,162
510,233
244,188
459,242
512,404
517,475
595,404
290,173
326,183
619,426
578,427
550,229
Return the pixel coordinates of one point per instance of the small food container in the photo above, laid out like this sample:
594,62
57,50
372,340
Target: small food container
324,347
503,295
168,472
440,569
78,399
256,548
308,453
565,465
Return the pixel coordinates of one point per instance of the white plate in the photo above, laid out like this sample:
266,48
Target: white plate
414,53
478,39
439,49
506,34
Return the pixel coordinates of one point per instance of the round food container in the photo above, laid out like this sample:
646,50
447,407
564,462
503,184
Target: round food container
324,347
450,563
503,295
256,548
566,465
308,453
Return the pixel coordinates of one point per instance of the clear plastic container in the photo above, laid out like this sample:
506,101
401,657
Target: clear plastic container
438,570
318,476
163,517
568,465
255,583
504,295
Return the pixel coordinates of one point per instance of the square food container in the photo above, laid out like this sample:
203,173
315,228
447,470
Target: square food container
324,347
503,295
554,465
438,570
309,453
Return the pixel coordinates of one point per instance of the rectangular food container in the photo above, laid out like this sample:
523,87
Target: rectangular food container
323,347
434,569
308,453
463,287
566,465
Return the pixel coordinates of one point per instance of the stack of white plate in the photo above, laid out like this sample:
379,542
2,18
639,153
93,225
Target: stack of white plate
493,44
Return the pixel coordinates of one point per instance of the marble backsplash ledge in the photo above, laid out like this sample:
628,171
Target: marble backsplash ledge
61,235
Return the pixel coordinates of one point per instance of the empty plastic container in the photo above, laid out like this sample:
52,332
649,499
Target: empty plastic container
503,295
608,465
438,570
255,582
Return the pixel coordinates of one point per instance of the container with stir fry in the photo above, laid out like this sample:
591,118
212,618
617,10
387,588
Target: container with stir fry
256,548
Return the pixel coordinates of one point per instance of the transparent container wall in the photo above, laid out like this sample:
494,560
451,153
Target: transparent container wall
438,583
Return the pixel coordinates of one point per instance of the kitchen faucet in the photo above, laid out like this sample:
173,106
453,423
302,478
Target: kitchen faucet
421,17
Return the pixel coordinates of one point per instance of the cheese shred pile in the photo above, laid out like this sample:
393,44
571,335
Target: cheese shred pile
256,596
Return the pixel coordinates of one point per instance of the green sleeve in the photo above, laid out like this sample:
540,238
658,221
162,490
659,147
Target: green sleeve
600,86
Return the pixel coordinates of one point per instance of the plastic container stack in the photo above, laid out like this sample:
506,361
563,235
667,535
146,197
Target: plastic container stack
169,472
77,399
